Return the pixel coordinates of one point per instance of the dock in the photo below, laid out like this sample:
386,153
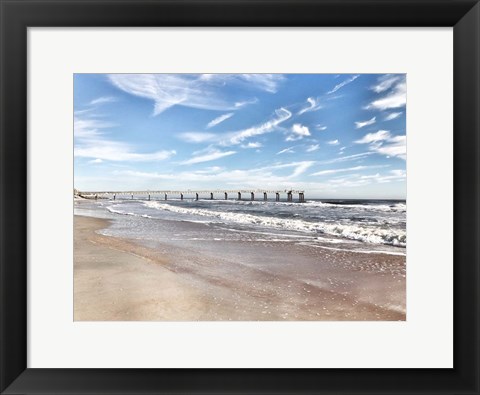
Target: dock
239,194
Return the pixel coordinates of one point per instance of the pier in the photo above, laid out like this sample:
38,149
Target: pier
218,194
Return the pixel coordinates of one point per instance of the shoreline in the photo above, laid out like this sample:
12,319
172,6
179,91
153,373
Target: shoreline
117,279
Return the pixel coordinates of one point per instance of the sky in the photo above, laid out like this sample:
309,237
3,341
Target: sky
333,135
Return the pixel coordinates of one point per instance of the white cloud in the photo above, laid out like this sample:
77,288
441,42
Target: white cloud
266,82
313,147
208,157
95,161
298,132
90,142
102,100
288,150
320,127
383,143
238,137
362,124
396,98
259,177
197,137
301,167
313,105
393,175
392,116
342,84
348,158
344,170
399,173
395,147
240,104
117,151
219,119
192,90
255,144
372,137
333,142
385,82
89,127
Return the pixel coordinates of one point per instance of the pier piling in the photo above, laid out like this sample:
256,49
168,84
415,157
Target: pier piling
239,196
252,196
265,196
277,197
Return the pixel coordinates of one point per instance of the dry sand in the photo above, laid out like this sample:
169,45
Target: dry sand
117,279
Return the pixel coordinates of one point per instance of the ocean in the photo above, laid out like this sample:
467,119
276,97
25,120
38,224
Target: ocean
363,226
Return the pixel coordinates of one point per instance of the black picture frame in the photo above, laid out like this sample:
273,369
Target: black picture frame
17,15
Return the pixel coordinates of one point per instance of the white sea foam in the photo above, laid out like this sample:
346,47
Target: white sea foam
377,207
374,235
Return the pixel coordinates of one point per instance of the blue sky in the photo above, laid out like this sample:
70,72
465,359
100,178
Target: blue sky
333,135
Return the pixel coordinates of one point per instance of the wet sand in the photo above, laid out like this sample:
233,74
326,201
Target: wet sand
121,280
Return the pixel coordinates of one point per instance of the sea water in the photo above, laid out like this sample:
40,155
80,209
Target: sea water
365,226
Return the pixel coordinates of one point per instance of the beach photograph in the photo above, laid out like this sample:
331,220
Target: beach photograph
239,197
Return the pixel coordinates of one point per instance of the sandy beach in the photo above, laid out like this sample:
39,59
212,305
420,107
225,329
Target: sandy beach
122,280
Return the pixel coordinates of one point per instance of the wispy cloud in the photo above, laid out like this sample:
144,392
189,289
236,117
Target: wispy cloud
91,142
347,169
397,97
117,151
214,155
261,177
372,137
313,105
361,124
394,146
197,137
244,103
393,175
342,84
298,132
348,158
333,142
239,136
95,161
220,119
192,90
392,115
385,82
266,82
320,127
102,100
255,144
288,150
313,147
382,142
234,138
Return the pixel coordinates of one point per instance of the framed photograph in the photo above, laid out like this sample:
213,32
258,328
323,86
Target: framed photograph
204,197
